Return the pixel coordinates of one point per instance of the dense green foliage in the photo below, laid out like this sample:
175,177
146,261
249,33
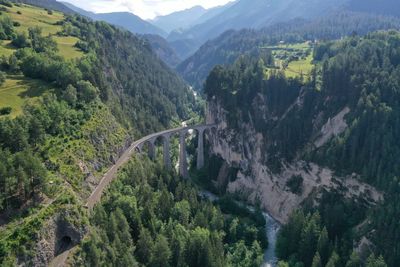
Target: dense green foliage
387,234
295,184
358,73
23,173
152,217
369,77
21,139
7,31
326,232
5,111
303,241
152,94
2,78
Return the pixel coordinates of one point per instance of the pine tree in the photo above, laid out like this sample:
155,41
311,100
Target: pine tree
316,261
144,247
161,252
309,239
333,260
372,261
323,247
354,260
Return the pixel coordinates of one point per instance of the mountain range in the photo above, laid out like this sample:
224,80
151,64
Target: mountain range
185,31
255,14
125,20
180,19
258,14
163,49
227,47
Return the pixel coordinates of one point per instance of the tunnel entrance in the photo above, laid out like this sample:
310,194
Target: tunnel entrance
64,244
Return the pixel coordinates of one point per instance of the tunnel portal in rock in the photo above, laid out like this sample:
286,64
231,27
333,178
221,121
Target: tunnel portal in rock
64,244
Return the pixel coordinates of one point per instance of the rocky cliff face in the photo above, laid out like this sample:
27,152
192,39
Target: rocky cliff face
256,181
60,233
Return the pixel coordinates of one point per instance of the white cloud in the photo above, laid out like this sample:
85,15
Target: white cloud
146,9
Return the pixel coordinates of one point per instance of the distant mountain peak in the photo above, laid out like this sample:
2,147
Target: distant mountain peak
179,19
126,20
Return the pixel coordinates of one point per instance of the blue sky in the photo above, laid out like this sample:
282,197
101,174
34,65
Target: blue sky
146,9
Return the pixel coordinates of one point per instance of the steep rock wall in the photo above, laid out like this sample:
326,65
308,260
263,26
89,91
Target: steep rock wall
243,148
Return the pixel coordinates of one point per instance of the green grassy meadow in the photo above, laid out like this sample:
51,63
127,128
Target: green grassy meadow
6,49
17,89
294,60
300,67
66,46
35,16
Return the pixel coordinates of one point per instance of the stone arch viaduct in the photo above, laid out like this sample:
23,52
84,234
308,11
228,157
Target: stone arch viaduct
138,147
166,135
150,140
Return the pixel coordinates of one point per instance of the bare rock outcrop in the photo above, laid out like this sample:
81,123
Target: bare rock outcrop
257,183
59,234
333,127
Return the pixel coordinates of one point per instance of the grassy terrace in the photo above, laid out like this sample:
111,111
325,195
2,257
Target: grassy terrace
66,46
17,89
293,59
6,49
300,67
35,16
29,16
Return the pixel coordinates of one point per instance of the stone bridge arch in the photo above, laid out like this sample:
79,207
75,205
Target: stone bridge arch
165,137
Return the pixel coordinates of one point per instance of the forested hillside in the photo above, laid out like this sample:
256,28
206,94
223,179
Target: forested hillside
162,48
125,66
354,84
230,45
385,7
73,94
151,217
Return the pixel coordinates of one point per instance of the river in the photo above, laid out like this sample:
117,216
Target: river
271,230
271,227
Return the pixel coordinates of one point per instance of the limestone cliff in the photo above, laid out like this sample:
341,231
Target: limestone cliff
246,148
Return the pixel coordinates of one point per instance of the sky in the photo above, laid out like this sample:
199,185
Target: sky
146,9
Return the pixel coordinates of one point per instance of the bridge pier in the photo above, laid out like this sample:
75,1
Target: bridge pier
166,155
139,148
166,136
200,149
152,149
183,166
